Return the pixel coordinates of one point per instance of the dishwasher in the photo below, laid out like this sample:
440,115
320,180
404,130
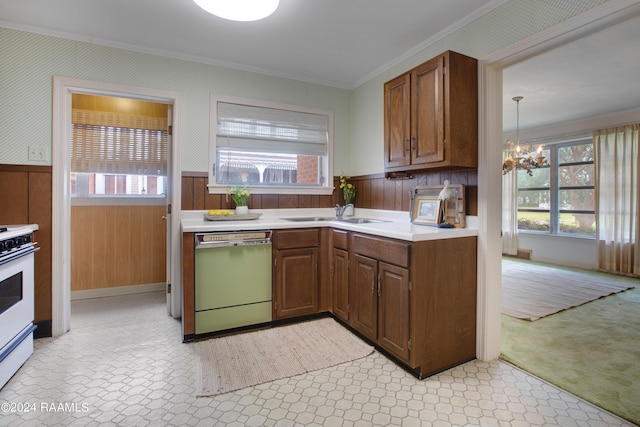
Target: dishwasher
232,280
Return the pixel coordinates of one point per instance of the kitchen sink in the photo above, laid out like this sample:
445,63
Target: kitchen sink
360,220
349,220
309,218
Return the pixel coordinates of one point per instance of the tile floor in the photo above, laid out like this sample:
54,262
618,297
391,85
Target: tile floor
123,364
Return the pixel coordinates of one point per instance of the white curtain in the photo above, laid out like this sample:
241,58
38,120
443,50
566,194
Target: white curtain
510,213
616,161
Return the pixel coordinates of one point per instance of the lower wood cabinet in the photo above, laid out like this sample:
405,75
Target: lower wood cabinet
364,285
340,281
339,286
381,302
393,309
414,300
295,272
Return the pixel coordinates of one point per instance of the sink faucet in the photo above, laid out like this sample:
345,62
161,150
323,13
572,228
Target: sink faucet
340,209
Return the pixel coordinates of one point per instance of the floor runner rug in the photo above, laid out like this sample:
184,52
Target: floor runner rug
533,290
234,362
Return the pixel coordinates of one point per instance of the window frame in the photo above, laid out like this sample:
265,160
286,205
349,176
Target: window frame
325,188
555,188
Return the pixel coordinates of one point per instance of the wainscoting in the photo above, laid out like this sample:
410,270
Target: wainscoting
115,246
373,192
25,198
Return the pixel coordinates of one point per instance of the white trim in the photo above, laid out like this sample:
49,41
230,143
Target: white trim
490,131
489,213
117,291
63,87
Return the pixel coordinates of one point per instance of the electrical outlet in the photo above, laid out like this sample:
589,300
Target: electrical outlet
37,154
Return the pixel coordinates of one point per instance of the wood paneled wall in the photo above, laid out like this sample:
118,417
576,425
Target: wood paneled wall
25,198
114,246
373,192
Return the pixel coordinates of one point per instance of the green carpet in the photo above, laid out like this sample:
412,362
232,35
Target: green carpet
592,351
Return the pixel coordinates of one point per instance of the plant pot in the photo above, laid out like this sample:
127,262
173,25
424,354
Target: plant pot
242,210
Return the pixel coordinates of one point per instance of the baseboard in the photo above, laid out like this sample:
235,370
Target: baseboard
43,329
118,290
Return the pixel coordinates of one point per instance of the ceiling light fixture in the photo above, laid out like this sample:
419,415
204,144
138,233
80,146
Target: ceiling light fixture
239,10
517,155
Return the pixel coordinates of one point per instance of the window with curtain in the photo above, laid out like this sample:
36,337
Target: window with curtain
270,145
559,198
118,154
617,160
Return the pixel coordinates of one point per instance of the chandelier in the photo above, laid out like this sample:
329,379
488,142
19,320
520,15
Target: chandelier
519,156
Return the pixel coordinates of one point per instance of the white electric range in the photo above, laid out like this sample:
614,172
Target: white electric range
17,248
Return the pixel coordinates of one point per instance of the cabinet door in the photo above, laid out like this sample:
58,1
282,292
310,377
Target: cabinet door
341,283
365,305
393,314
296,282
427,112
397,121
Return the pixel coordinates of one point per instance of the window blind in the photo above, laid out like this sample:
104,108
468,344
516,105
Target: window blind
113,143
255,128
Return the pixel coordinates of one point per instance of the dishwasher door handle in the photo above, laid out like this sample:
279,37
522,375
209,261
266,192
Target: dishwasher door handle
226,243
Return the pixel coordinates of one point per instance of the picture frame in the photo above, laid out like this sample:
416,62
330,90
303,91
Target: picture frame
426,209
453,214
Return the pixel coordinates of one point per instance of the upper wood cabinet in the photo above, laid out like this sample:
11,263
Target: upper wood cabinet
431,115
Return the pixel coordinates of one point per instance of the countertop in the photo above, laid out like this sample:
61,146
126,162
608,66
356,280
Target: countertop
15,230
397,224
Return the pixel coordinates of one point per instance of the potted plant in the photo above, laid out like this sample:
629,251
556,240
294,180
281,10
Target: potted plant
240,195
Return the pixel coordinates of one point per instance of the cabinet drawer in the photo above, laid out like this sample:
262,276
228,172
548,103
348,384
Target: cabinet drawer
390,251
340,239
298,238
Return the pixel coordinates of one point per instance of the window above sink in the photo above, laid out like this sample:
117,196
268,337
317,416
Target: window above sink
270,147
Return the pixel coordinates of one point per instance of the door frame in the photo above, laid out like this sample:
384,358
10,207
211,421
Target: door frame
63,88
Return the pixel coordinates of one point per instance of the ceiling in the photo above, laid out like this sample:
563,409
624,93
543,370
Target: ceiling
590,77
345,43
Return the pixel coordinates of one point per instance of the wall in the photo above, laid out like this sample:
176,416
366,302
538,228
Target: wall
29,62
561,250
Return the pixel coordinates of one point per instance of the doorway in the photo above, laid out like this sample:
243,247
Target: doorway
118,196
64,88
